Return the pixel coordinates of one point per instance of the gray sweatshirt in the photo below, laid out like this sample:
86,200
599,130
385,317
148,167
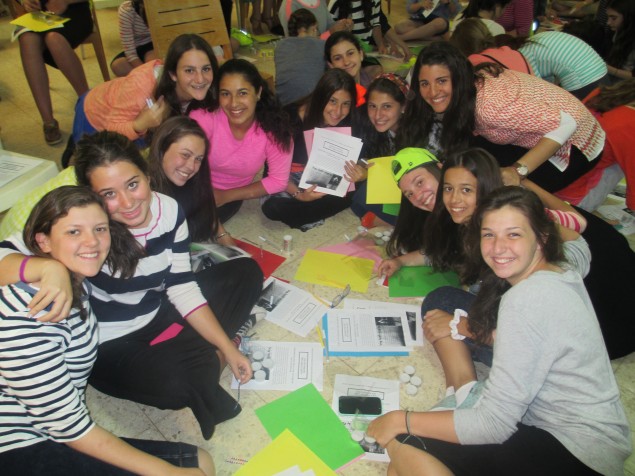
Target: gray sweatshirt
551,370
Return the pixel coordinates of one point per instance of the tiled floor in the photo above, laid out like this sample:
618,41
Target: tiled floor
243,436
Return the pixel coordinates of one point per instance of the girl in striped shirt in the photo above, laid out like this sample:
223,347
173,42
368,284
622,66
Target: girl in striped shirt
44,366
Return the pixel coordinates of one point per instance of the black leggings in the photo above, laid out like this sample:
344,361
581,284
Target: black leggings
295,213
528,452
182,371
547,175
49,458
610,284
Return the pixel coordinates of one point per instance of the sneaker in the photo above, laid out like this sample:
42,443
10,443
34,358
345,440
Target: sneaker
52,134
257,315
310,226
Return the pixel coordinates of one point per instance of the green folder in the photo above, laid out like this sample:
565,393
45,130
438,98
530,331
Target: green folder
314,422
411,281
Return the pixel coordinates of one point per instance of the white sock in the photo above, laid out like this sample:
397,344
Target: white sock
463,392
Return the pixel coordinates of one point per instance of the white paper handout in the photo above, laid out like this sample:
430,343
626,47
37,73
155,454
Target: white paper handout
290,307
367,332
388,393
325,167
283,365
14,166
413,314
426,13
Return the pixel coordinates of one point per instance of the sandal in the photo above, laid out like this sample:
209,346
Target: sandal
52,134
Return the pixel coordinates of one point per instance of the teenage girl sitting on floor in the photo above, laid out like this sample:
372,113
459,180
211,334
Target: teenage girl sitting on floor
551,404
332,104
379,121
41,361
531,126
248,130
142,357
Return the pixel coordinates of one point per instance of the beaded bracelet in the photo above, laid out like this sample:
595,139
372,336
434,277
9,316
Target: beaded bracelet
23,268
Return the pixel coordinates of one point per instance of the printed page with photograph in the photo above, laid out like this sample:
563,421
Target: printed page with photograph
413,315
205,255
367,332
290,307
325,167
283,365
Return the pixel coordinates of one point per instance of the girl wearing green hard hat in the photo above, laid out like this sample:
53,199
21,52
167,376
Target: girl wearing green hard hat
417,173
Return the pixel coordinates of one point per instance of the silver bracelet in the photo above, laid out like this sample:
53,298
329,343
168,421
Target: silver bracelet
218,237
454,331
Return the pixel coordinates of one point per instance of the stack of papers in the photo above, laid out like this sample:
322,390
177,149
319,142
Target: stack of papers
330,151
368,332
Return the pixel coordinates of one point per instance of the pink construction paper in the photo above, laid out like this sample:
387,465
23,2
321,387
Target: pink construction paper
359,248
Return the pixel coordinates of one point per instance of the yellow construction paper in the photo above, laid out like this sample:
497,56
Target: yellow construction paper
282,453
39,21
381,186
331,269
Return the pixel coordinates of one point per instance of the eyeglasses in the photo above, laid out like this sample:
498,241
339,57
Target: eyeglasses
340,297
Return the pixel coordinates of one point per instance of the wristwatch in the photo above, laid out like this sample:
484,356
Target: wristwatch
521,169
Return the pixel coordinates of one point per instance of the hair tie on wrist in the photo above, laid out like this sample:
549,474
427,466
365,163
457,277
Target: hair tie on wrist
23,267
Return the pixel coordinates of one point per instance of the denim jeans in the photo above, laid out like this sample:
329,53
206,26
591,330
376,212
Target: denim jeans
448,299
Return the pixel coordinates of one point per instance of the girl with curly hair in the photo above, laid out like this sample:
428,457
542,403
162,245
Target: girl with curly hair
248,130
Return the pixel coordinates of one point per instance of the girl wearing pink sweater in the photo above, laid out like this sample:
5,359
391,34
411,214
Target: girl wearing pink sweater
248,131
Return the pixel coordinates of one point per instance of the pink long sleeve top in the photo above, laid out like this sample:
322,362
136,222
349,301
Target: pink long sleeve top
234,163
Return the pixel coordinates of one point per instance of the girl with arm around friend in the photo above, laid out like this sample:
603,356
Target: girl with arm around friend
142,356
46,425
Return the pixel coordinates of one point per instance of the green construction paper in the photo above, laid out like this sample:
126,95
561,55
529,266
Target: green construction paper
308,416
391,209
411,281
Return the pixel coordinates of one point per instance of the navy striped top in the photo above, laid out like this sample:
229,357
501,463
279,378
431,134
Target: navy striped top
123,306
43,372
